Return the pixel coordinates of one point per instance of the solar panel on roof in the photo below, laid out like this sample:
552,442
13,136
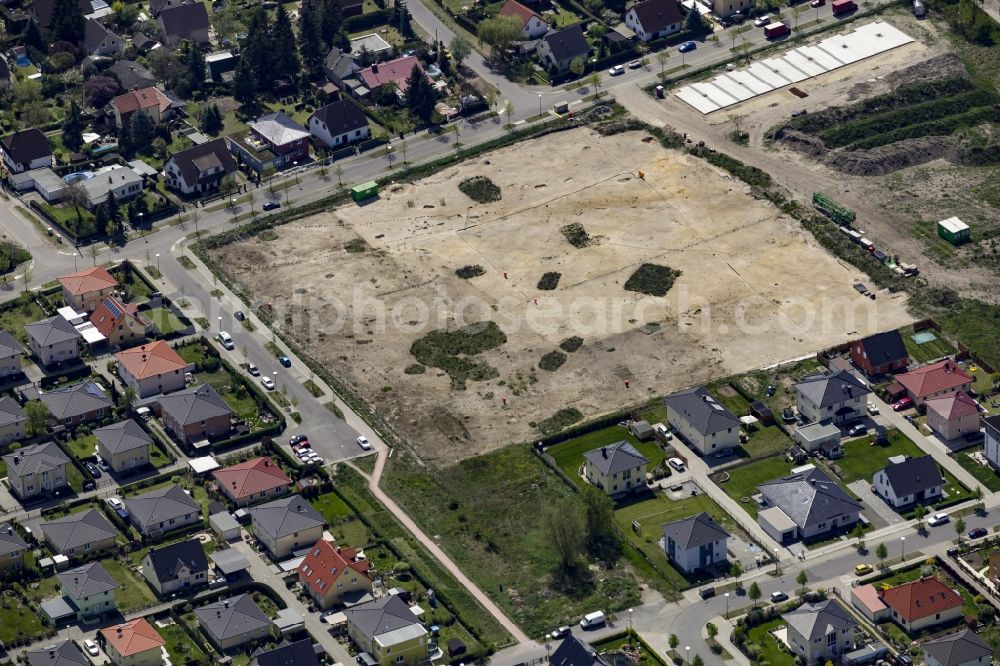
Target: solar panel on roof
113,308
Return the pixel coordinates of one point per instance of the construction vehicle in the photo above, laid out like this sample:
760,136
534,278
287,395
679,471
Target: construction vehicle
833,210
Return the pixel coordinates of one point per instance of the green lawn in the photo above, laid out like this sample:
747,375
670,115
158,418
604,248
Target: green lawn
651,513
569,454
157,458
927,351
134,592
232,390
136,289
15,315
42,589
743,481
179,645
75,478
344,523
82,447
772,650
164,320
983,473
765,441
493,515
18,622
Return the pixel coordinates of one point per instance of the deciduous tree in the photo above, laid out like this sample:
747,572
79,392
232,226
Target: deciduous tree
37,415
460,50
500,33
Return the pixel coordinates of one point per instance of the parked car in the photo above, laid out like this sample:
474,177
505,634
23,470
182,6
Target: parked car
285,361
635,64
862,569
594,619
687,46
938,519
91,647
103,464
364,443
724,453
89,484
616,70
788,415
903,403
817,3
977,533
271,205
761,21
298,439
873,409
799,112
677,464
664,432
857,429
706,592
778,596
267,383
561,632
226,340
239,315
94,470
116,503
253,370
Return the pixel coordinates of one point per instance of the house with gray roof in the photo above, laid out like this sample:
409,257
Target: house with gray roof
11,353
299,653
695,542
89,589
287,524
832,397
162,510
902,483
388,630
99,41
53,340
339,65
124,445
184,21
229,623
176,567
79,534
964,648
575,651
77,404
559,48
12,420
57,654
195,413
12,548
805,505
132,75
702,421
37,469
617,469
820,632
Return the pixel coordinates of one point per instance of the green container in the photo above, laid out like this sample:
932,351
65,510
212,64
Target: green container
364,191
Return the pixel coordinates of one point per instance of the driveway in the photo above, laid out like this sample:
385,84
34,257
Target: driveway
875,504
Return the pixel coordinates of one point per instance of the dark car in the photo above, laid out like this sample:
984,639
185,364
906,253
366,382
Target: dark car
977,533
687,46
94,470
707,592
285,361
239,315
298,439
800,112
271,205
89,484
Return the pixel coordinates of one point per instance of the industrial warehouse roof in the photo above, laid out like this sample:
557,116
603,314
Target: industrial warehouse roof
792,67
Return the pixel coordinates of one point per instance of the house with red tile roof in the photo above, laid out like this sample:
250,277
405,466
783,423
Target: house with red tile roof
922,603
329,572
532,25
392,72
134,643
85,289
248,482
952,415
152,368
150,101
121,323
933,380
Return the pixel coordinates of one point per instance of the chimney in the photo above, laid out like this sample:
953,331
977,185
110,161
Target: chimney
604,451
225,604
17,459
375,68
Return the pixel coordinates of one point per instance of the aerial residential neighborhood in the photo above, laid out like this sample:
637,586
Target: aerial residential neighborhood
525,332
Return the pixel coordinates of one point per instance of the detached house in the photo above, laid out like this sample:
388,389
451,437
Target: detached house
134,643
199,169
388,630
252,481
79,534
909,481
286,524
152,368
532,25
339,124
77,404
299,653
36,469
820,632
922,603
702,422
61,654
162,510
195,413
150,101
724,8
329,572
84,290
120,323
616,469
653,19
558,49
964,648
992,447
132,75
53,340
90,589
395,73
11,352
273,140
12,420
937,379
836,397
695,542
124,446
952,415
26,150
181,566
183,22
99,41
233,622
12,548
805,506
880,354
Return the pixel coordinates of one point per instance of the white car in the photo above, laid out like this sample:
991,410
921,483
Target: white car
364,443
91,648
267,383
226,340
761,21
253,369
115,503
938,519
616,70
872,408
677,464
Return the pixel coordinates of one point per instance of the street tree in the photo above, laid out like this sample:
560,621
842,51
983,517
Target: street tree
508,109
736,570
802,579
595,80
577,66
754,593
977,494
919,511
673,641
711,630
881,552
859,534
663,57
960,528
697,661
460,50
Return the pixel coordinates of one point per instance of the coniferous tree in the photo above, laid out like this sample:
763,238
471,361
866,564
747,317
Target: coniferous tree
403,20
32,37
419,95
72,127
100,220
331,22
68,23
194,62
141,130
256,53
282,44
245,85
111,212
310,40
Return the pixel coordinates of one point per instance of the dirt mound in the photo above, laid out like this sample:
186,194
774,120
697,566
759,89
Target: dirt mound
941,67
896,156
801,142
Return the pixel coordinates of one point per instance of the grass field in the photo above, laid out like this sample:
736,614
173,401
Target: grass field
764,441
344,523
569,454
134,593
20,312
166,322
921,353
82,447
983,473
743,481
18,621
492,514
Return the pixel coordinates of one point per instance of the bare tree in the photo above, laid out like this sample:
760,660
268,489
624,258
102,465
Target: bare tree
508,109
565,530
76,195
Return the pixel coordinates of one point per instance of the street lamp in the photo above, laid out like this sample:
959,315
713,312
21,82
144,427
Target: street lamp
539,103
687,651
630,624
220,322
158,262
295,165
902,543
727,605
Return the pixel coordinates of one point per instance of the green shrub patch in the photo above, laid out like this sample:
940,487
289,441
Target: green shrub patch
652,279
549,281
480,189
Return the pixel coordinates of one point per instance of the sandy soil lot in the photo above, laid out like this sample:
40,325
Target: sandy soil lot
753,289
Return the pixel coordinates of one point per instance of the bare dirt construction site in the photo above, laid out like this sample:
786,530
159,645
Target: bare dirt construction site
370,281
